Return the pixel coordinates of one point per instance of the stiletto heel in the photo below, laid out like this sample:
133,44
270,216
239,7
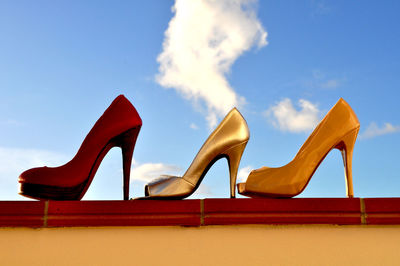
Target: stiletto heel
128,141
346,147
119,126
234,155
338,129
227,140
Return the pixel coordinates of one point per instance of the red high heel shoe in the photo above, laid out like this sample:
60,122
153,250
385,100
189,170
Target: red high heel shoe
118,126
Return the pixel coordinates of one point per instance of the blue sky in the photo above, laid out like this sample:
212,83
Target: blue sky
63,62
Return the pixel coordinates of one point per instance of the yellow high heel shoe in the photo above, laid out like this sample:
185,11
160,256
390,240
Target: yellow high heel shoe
338,129
228,140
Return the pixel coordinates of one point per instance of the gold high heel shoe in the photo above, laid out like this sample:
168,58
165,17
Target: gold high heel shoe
228,140
338,129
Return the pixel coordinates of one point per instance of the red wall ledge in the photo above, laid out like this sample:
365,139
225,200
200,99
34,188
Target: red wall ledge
340,211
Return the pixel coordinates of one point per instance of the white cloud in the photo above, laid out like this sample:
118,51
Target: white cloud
286,118
320,80
146,172
202,41
330,84
203,191
244,173
15,160
11,122
194,126
373,130
320,7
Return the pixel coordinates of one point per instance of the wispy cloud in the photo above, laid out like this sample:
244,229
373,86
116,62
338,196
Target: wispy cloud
285,117
203,191
203,40
320,7
244,173
15,160
194,126
146,172
330,84
319,80
373,130
11,122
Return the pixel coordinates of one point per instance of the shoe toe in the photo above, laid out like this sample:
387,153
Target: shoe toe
169,187
27,176
34,176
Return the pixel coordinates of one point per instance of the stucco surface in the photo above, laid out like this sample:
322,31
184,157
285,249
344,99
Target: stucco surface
211,245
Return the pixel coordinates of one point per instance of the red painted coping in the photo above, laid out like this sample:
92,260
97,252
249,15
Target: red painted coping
123,213
282,211
21,213
342,211
382,210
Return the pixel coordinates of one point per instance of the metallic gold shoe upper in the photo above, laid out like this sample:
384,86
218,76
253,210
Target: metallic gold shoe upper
232,131
291,179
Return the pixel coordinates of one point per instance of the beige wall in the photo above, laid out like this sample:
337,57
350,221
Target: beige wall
209,245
